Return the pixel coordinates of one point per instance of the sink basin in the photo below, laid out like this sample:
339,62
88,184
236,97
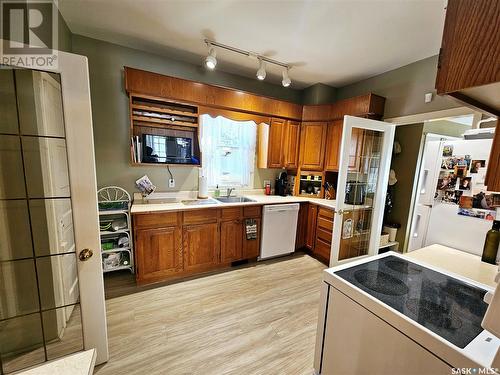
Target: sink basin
196,202
234,199
159,200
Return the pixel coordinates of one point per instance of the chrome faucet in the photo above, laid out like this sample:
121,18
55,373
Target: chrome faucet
229,191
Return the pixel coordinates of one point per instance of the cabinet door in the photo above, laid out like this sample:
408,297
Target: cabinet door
355,149
333,139
201,246
231,241
312,146
251,248
311,225
292,144
277,133
158,253
300,239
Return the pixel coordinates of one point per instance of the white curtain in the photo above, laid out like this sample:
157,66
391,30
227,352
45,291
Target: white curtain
228,151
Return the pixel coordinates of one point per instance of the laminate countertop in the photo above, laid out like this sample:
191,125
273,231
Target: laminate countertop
458,262
138,207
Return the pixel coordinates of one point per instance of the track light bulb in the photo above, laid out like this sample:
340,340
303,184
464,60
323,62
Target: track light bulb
261,73
211,61
286,79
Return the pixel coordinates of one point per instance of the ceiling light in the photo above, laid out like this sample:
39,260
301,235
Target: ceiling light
261,73
211,61
286,79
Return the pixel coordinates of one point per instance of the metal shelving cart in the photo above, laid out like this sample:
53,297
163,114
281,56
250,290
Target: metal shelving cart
115,229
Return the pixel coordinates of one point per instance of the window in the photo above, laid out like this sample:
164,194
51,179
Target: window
228,151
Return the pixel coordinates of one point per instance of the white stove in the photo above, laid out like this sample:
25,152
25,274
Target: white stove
389,315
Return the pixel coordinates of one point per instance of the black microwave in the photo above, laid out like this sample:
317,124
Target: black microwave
167,149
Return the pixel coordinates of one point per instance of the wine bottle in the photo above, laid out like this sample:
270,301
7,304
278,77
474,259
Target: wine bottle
491,243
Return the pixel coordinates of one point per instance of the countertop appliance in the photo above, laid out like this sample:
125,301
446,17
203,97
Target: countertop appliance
435,221
386,314
167,149
281,185
355,192
279,226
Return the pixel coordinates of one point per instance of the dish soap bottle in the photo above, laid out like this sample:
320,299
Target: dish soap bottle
217,192
491,243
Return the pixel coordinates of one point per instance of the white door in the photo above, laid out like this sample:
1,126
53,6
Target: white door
51,284
365,161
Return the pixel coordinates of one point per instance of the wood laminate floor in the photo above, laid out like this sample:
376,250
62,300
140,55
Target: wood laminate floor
258,319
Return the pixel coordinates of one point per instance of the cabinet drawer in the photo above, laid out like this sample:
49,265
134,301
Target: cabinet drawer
253,211
325,212
156,220
200,216
325,223
324,235
322,248
231,213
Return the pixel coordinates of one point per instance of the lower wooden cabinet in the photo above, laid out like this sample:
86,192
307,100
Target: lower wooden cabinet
312,212
192,241
324,230
231,241
300,238
159,253
201,246
251,247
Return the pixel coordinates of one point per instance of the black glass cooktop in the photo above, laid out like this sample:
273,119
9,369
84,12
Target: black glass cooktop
447,306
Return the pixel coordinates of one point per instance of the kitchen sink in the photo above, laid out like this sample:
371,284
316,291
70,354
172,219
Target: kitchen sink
196,202
159,200
234,199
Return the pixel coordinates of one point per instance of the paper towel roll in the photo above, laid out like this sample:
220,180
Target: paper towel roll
202,187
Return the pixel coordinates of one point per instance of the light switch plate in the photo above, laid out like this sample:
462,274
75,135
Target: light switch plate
171,183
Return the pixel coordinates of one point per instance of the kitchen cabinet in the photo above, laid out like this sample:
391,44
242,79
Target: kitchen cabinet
355,149
275,153
312,212
292,138
468,65
312,146
492,180
231,241
333,140
159,253
300,239
200,246
324,229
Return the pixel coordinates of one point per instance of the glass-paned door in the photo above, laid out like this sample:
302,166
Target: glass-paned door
362,186
40,304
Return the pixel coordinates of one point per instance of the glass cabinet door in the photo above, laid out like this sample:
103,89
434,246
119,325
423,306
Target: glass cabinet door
362,185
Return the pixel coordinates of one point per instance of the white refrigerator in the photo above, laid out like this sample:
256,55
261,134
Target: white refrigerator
436,221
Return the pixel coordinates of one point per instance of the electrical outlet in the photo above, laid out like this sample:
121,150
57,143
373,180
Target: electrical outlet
171,183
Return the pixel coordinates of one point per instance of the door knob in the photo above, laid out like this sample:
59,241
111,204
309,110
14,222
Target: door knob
85,254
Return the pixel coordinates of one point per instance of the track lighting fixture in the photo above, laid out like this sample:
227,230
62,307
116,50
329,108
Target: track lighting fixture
211,61
261,72
286,79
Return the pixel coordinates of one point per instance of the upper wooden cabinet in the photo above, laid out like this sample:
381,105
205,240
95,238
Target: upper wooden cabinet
275,152
159,85
492,180
369,105
312,145
292,144
469,59
333,139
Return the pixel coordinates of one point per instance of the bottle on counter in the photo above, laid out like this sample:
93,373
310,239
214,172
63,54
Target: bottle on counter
491,242
268,189
217,192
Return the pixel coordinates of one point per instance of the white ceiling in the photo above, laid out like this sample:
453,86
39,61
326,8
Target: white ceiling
332,42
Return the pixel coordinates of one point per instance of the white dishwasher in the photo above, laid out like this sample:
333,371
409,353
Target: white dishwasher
279,226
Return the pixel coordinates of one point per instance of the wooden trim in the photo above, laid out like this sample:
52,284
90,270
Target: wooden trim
233,115
492,179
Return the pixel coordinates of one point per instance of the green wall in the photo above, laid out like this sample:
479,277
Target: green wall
404,89
319,94
444,127
111,117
